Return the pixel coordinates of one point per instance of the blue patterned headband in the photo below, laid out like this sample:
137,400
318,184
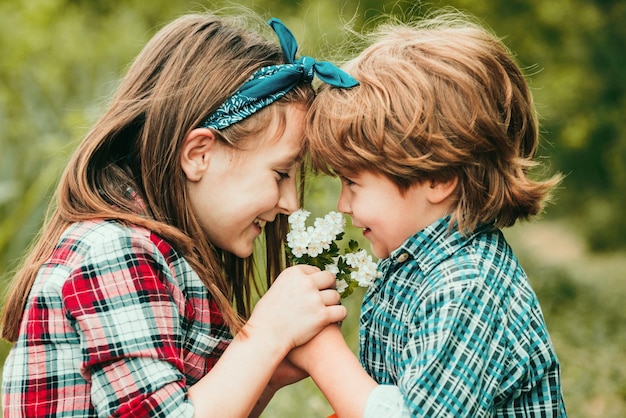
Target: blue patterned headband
271,83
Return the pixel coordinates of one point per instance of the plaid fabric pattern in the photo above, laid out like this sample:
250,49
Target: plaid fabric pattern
117,324
455,325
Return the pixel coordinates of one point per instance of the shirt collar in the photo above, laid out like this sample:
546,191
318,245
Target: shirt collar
432,244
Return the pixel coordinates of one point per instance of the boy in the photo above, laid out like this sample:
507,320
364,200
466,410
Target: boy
433,149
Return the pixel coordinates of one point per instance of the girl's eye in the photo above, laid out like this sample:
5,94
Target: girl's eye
282,175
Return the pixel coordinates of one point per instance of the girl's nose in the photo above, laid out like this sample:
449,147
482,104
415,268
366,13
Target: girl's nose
288,200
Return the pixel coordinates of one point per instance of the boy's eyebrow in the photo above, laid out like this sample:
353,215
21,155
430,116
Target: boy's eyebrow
343,174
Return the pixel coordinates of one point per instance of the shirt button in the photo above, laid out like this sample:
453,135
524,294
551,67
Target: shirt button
402,258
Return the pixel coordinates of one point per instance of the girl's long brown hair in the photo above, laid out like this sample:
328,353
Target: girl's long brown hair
182,75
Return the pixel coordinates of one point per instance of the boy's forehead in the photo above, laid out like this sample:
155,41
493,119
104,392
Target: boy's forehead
354,173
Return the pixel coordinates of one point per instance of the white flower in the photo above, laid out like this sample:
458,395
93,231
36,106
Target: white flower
297,219
341,286
298,241
331,225
323,232
315,248
332,268
364,271
307,244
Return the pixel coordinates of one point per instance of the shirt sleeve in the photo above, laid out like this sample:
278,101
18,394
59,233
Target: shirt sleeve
386,401
123,304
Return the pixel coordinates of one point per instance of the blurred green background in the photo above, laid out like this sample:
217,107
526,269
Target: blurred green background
61,59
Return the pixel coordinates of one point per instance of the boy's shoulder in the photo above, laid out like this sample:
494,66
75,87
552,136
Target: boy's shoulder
439,255
440,242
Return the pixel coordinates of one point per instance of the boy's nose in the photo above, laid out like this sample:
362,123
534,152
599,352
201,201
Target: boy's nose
343,205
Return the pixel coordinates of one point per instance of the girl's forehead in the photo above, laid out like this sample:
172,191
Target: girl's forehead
282,140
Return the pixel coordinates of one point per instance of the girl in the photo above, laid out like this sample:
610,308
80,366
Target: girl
125,305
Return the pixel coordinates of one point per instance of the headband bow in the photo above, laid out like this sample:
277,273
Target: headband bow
269,84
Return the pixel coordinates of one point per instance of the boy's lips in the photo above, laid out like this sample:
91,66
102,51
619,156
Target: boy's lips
365,229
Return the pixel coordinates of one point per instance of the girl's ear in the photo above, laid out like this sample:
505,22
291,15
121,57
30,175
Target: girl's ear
196,153
441,190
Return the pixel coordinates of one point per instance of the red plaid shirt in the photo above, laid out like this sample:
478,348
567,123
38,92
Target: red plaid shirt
117,324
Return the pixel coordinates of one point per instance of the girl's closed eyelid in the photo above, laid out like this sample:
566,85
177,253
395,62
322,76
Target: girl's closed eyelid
286,172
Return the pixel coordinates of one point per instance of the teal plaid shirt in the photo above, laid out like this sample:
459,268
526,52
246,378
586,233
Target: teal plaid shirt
453,328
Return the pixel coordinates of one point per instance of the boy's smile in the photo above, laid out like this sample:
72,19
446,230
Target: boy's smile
386,215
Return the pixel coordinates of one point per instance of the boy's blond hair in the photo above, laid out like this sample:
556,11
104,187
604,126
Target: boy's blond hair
437,99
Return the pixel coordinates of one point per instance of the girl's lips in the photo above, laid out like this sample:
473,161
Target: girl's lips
259,224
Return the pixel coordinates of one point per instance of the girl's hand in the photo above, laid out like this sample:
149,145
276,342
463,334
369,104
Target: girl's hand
300,303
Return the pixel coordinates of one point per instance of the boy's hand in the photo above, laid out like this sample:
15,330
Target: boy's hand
321,346
286,373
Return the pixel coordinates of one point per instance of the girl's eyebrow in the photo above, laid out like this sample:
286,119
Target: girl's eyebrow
288,163
293,160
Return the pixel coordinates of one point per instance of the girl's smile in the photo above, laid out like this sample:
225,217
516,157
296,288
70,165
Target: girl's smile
238,191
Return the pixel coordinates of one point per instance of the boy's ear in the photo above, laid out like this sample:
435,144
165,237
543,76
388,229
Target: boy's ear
195,155
441,190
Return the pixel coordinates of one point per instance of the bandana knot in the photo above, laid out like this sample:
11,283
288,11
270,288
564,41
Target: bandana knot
308,67
269,84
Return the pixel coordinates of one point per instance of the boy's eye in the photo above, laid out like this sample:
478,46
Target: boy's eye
347,181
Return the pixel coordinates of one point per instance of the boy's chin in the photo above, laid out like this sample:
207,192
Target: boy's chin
378,252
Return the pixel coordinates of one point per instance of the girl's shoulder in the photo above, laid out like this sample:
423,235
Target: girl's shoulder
97,239
102,246
99,230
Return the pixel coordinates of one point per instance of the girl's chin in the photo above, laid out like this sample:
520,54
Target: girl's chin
242,253
243,248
